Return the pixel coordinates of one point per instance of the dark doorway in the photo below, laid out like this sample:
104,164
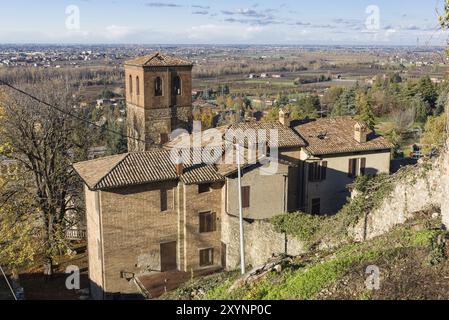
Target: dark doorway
223,255
316,206
168,256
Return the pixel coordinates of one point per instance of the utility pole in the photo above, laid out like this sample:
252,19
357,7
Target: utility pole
242,244
9,285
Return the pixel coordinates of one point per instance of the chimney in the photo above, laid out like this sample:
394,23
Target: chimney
284,117
361,131
179,168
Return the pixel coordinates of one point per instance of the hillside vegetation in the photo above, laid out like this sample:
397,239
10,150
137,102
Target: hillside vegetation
412,260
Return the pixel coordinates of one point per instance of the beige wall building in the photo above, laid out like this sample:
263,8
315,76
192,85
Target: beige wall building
338,150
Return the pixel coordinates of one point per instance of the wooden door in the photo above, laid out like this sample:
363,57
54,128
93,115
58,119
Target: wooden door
168,256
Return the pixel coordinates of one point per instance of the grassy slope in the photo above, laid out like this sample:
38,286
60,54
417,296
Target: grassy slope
327,275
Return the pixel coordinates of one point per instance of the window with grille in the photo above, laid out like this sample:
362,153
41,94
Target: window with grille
206,257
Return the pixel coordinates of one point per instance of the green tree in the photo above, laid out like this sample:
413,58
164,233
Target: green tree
346,104
428,91
272,115
434,132
365,110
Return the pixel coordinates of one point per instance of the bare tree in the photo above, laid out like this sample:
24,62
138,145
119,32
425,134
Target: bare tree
45,141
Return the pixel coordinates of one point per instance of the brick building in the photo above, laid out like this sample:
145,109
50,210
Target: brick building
148,214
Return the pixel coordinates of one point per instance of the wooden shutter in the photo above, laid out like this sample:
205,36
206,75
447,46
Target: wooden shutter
323,170
164,202
362,166
351,169
245,197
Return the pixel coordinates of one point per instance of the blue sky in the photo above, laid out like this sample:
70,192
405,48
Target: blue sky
380,22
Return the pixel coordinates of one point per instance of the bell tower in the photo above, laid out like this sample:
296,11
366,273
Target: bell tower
158,99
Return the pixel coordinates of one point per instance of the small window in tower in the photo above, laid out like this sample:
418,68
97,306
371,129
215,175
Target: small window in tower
137,86
177,86
130,84
158,86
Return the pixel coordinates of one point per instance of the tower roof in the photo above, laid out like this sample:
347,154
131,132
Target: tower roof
158,60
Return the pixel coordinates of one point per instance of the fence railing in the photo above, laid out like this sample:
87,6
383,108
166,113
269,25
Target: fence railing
75,234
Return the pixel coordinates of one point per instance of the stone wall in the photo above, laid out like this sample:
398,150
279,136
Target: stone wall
445,179
420,188
261,242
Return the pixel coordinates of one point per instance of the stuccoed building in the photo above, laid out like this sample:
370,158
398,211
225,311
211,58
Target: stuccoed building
148,215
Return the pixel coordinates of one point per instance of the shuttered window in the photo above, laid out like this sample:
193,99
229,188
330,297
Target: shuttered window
207,222
206,257
356,167
245,197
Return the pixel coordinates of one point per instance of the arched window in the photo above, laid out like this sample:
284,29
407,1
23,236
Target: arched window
177,86
130,84
137,86
158,86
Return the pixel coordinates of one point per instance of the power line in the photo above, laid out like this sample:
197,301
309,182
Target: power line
67,113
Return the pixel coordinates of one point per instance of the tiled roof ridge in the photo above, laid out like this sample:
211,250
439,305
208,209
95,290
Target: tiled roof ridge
111,170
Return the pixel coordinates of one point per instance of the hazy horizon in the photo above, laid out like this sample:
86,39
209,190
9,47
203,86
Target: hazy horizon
202,22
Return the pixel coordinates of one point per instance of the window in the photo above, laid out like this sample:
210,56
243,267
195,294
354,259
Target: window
206,257
164,138
207,222
164,200
130,84
137,86
356,167
245,197
203,188
158,86
316,206
317,171
177,86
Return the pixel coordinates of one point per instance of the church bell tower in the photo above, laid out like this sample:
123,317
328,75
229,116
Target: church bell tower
158,99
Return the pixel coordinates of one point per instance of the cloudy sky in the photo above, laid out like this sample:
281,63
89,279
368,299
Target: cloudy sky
381,22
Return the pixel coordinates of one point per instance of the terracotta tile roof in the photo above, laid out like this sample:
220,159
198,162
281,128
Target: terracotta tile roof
287,137
158,60
336,135
140,168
